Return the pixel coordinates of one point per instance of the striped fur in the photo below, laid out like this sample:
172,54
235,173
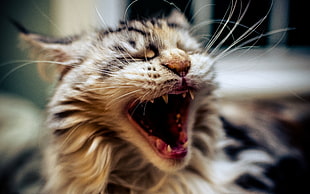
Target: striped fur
94,147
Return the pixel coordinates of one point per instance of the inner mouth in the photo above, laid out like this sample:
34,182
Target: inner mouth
163,122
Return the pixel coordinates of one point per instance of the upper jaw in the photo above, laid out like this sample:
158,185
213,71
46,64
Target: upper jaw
182,88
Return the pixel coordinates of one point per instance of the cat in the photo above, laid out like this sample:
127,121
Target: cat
135,110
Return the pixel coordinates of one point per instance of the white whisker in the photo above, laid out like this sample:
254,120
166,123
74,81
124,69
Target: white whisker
126,10
201,24
100,17
47,17
134,102
30,61
25,63
187,5
241,16
198,11
13,70
172,4
219,30
114,99
229,51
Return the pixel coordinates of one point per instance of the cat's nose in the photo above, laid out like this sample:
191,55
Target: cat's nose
176,60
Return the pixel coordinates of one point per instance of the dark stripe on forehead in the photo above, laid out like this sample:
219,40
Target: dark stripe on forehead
138,31
125,28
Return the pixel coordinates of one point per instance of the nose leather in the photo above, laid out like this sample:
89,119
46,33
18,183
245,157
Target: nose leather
177,61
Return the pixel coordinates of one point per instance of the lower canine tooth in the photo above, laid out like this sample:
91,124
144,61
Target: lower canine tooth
169,148
165,97
185,145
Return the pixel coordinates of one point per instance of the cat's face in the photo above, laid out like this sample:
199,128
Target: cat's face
143,80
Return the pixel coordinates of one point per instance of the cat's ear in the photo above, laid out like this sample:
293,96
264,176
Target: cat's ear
64,53
178,18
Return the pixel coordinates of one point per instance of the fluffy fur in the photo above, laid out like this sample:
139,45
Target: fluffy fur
95,147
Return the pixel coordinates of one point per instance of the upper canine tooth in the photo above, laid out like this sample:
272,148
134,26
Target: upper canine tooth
152,101
165,97
191,93
184,95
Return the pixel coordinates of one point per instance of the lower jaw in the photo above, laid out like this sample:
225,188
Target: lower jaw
162,149
166,152
170,165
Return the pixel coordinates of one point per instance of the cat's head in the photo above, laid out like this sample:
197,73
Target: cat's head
143,80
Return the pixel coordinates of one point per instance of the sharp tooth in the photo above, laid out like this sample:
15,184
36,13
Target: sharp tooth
191,93
184,95
185,145
178,116
165,97
152,101
169,149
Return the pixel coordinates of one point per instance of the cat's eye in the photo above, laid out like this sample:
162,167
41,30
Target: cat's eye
149,54
145,54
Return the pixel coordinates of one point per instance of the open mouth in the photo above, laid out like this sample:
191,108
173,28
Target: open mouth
163,122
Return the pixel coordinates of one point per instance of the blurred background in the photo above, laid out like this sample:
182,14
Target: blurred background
277,65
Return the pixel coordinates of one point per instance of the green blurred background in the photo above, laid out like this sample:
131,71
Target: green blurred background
16,77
